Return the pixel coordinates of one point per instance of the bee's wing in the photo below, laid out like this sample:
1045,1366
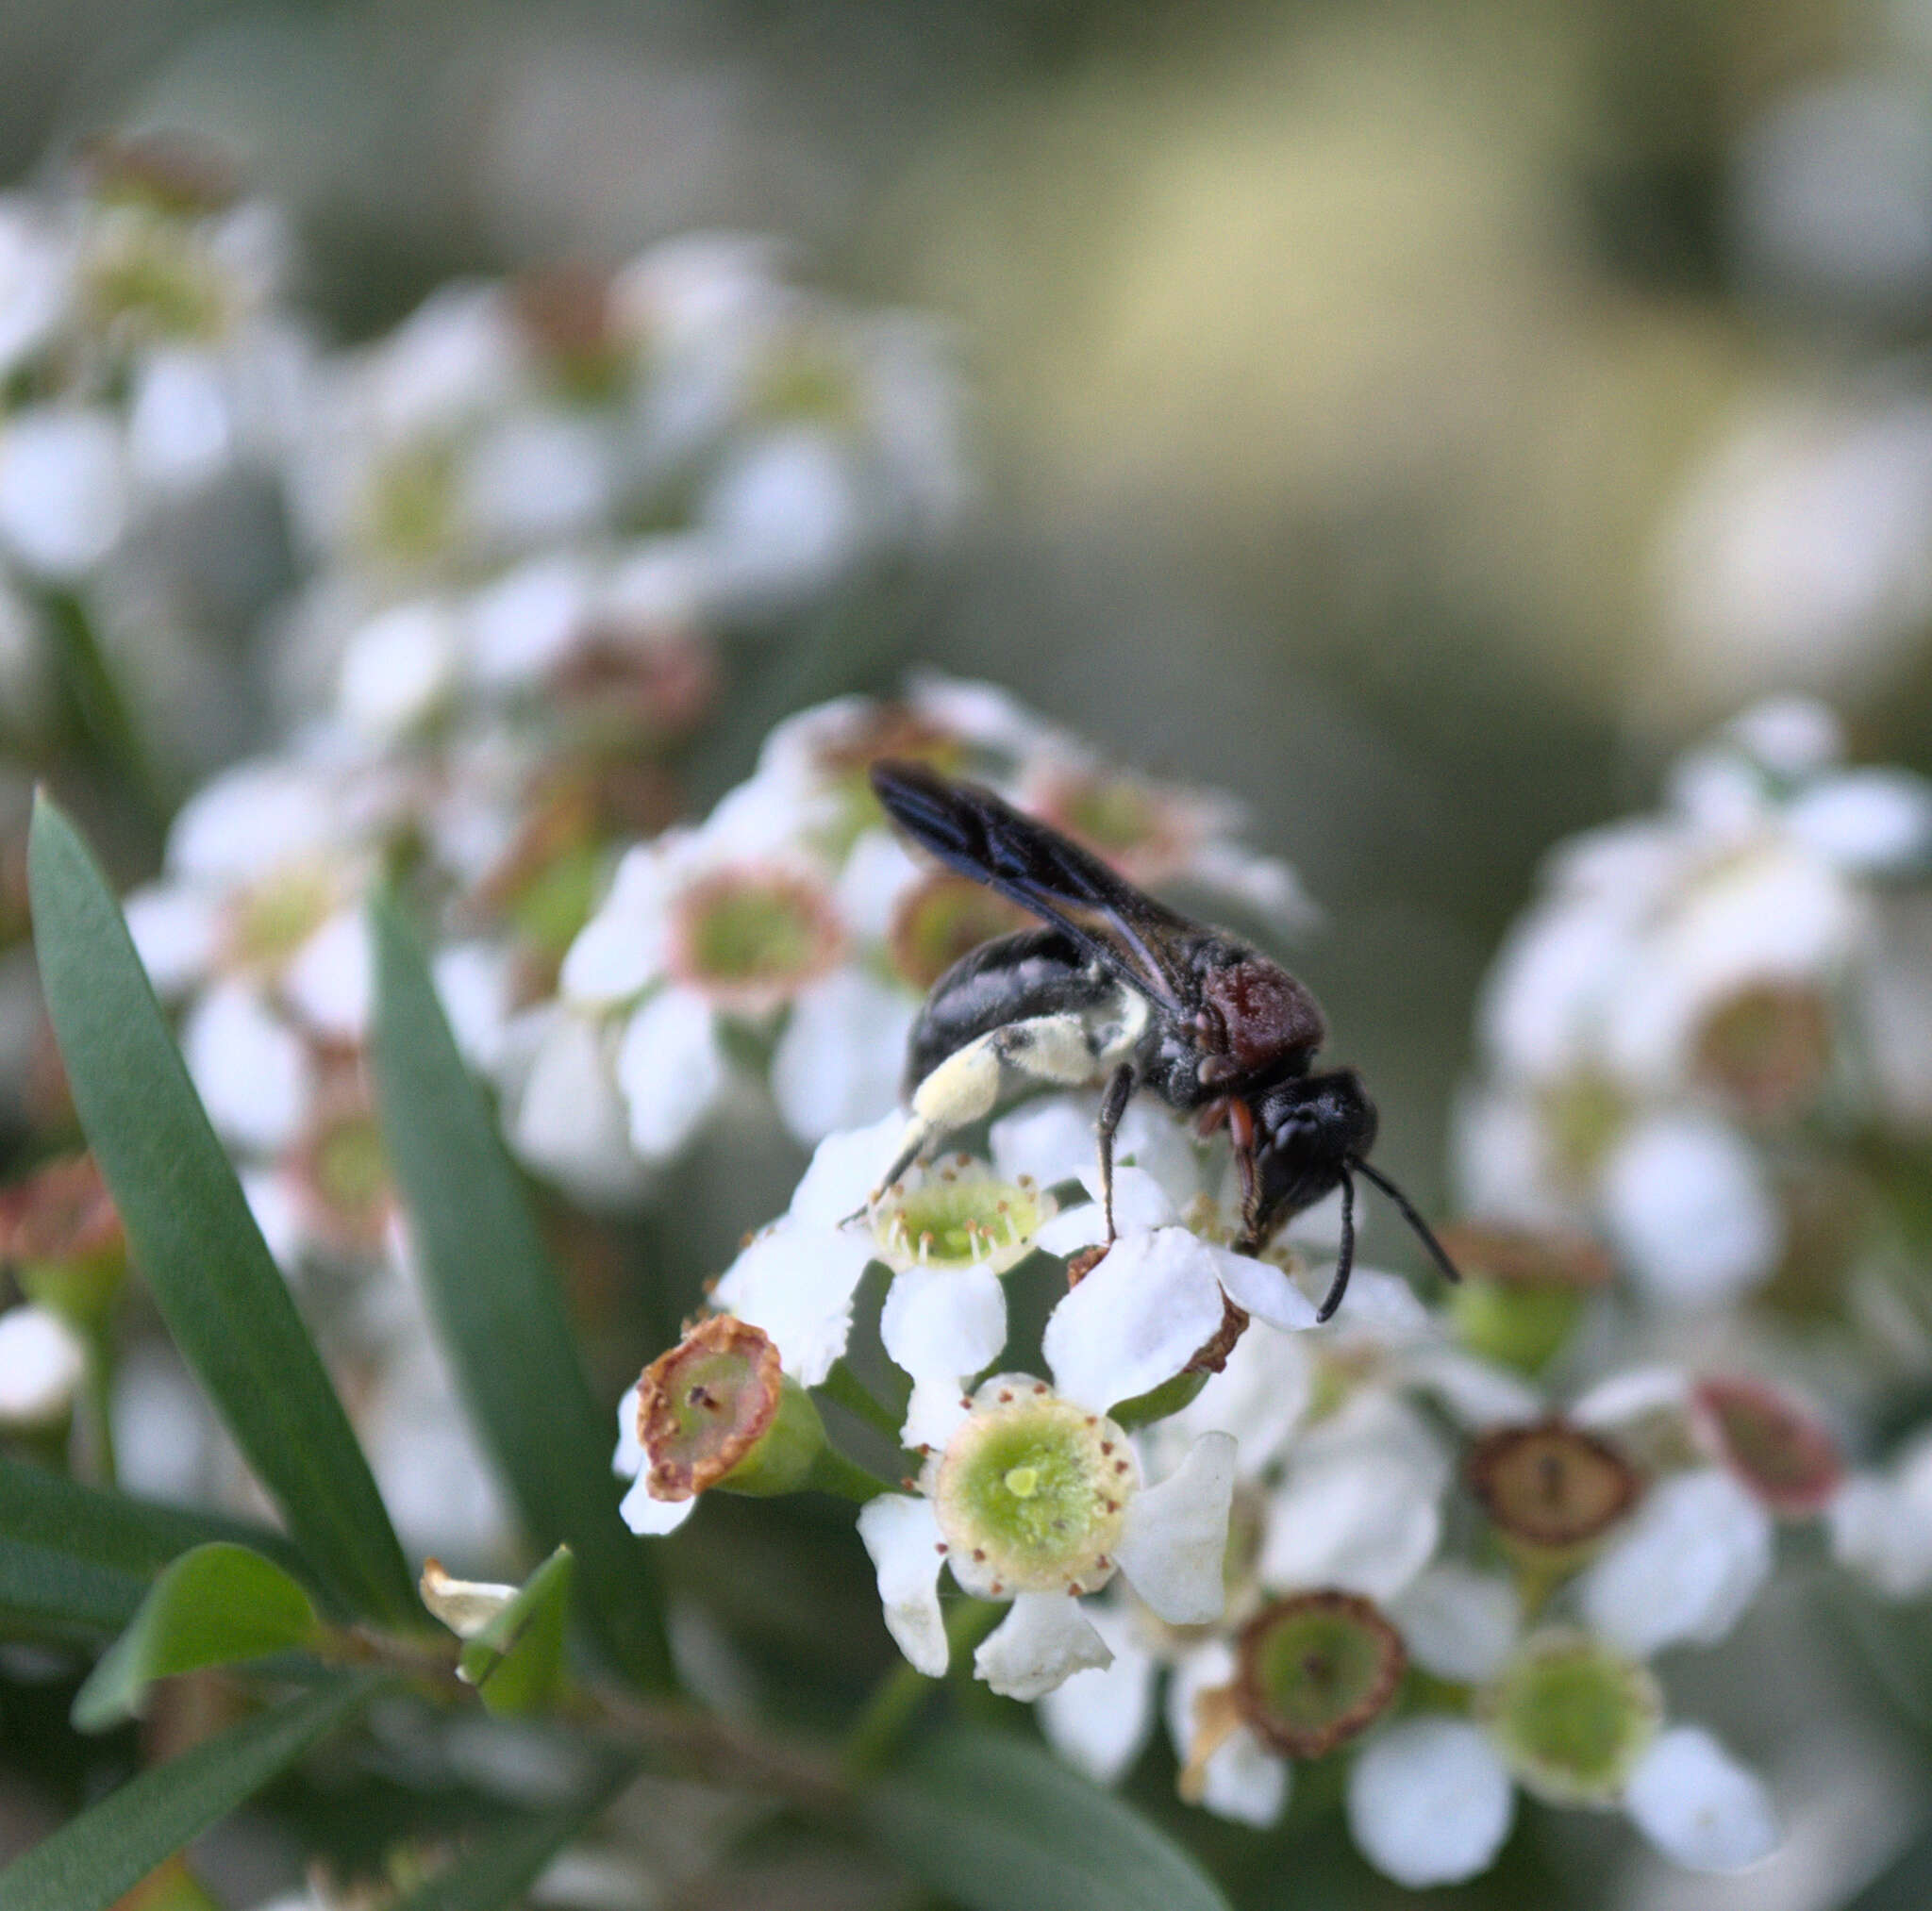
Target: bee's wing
982,837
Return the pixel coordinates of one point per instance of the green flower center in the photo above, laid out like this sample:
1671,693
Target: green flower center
277,917
1316,1669
961,1217
1031,1494
1109,812
942,919
148,281
753,941
1573,1718
811,385
411,504
351,1170
1584,1115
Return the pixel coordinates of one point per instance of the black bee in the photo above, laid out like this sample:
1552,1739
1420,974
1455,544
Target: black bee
1117,988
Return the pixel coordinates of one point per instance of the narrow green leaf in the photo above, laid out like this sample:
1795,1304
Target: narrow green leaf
216,1605
192,1236
500,1870
992,1821
92,1859
498,1305
513,1662
77,1561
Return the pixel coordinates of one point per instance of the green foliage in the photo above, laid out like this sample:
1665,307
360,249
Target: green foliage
497,1304
75,1562
92,1859
193,1239
993,1822
213,1606
515,1660
499,1870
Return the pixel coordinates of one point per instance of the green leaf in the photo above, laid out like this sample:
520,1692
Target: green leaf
91,1860
76,1561
500,1870
193,1239
497,1302
993,1823
213,1606
514,1661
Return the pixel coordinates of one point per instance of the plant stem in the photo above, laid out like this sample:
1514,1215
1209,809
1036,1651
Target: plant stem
844,1387
897,1697
96,1394
832,1473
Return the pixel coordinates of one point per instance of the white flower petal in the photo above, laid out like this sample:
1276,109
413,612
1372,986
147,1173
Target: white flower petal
796,1282
1429,1802
1693,1558
1043,1642
670,1069
252,820
1260,1397
1174,1541
942,1326
628,1462
277,1213
475,982
251,1070
1865,821
1359,1507
620,949
1698,1805
1098,1719
63,489
1140,1204
569,1120
521,626
174,933
1458,1624
1243,1781
839,1061
844,1171
398,669
1136,1321
331,982
42,1363
1881,1525
1635,1395
1687,1204
903,1538
1051,1139
651,1517
1262,1289
878,871
1475,1393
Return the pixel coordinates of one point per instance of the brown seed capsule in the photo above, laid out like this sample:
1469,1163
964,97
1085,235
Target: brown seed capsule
1315,1669
1777,1450
1517,1257
1551,1486
703,1405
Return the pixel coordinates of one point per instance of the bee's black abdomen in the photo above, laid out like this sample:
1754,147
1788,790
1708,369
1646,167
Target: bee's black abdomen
1032,971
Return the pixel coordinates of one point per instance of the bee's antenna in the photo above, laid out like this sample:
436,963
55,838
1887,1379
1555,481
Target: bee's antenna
1438,1252
1345,1254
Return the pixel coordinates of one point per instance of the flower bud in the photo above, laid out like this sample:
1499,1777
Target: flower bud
716,1411
1316,1669
1572,1718
1774,1447
62,1235
1523,1289
1551,1489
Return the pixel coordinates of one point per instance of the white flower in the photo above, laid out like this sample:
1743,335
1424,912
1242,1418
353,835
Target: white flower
1880,1523
63,490
1039,1500
41,1365
1428,1803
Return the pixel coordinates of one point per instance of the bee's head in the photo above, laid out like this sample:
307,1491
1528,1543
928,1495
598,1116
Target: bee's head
1310,1131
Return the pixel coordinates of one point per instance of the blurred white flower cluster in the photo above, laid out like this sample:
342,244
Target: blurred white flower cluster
792,936
1690,1036
149,366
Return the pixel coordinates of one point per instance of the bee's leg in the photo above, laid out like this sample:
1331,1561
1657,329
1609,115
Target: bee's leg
964,1086
1113,1105
1344,1257
1240,1128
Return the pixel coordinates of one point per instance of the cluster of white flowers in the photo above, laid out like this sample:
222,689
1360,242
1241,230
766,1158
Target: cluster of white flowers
146,361
792,935
1189,1484
1700,1001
